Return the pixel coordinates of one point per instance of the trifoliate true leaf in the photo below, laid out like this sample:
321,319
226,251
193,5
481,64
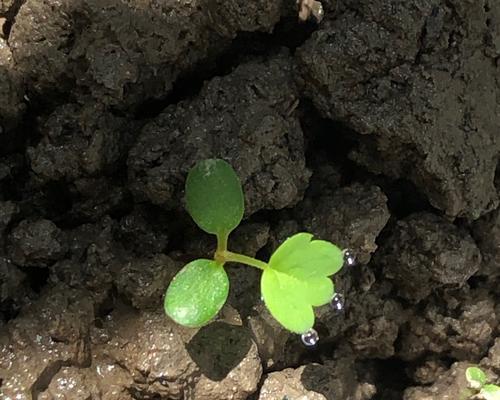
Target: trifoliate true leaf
297,279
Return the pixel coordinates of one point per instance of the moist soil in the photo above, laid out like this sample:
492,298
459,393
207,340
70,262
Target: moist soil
377,128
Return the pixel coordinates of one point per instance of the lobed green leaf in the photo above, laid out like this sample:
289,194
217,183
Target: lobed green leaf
197,293
297,279
290,300
305,258
214,196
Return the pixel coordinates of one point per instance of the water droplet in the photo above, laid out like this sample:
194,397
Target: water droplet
337,302
310,338
349,258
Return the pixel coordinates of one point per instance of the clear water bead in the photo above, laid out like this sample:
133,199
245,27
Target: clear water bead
349,258
310,338
338,302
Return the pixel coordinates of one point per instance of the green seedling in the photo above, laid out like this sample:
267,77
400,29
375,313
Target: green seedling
293,281
478,382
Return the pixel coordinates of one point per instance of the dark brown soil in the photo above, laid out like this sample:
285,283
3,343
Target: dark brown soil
377,129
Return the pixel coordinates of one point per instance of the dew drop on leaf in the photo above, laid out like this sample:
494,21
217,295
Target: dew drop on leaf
338,302
349,258
310,338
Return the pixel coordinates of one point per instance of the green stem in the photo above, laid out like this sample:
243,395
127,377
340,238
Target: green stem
222,243
223,255
229,256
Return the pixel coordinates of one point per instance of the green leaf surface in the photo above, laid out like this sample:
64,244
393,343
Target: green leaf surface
214,197
305,258
290,300
197,293
490,392
297,279
475,376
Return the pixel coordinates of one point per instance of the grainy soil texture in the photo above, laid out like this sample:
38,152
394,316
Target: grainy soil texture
376,128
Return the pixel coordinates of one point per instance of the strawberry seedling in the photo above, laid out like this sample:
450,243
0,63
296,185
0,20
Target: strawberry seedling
294,280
